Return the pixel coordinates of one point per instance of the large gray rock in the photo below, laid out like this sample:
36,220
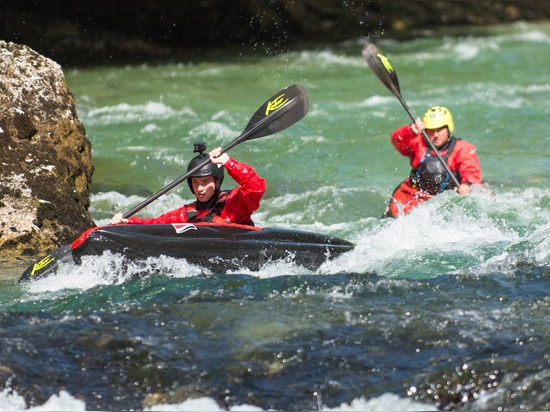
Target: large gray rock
45,157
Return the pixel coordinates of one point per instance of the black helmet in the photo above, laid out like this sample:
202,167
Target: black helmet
210,169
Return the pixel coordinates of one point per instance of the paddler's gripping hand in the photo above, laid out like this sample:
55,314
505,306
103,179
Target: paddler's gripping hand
464,189
418,126
117,219
217,157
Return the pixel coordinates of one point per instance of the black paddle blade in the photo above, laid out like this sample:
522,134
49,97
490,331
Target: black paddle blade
381,67
282,110
48,264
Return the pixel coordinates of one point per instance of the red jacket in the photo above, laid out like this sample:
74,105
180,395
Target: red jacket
463,159
240,203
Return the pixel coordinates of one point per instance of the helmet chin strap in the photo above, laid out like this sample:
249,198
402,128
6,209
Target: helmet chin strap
210,202
219,184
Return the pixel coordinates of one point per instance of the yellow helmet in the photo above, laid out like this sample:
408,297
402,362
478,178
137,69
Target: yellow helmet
438,116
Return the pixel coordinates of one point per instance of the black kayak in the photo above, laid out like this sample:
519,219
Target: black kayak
217,248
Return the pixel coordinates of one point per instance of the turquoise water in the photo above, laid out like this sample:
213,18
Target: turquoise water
445,308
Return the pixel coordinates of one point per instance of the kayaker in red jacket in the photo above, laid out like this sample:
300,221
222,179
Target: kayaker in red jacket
428,176
213,204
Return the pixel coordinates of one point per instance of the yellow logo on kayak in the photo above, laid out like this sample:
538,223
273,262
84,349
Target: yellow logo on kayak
385,62
42,264
276,103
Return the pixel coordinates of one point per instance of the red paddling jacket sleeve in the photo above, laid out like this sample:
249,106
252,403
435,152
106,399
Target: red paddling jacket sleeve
463,158
239,205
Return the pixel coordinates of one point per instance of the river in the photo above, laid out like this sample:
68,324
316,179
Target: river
443,309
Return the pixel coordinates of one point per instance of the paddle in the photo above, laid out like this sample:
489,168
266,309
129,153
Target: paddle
383,69
282,110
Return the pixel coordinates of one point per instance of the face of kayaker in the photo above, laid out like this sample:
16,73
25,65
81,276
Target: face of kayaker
438,136
203,187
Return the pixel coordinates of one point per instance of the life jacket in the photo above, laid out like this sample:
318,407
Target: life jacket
431,176
214,206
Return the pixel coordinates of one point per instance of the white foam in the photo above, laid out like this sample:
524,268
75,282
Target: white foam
439,227
12,401
64,401
323,59
129,113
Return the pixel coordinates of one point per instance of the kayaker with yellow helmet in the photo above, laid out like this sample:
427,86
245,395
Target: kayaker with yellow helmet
428,176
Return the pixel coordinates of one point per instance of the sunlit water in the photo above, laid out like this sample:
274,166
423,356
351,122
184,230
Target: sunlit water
446,308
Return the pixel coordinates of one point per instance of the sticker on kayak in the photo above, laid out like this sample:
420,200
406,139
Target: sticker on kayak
183,227
42,264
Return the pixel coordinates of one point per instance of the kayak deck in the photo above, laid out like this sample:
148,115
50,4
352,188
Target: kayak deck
218,248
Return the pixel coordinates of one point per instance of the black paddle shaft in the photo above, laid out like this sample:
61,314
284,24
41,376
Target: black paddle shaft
382,68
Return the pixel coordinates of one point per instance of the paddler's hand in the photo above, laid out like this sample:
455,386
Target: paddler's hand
117,219
464,189
217,157
417,126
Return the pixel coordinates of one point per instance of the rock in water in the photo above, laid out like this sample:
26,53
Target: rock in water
45,156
